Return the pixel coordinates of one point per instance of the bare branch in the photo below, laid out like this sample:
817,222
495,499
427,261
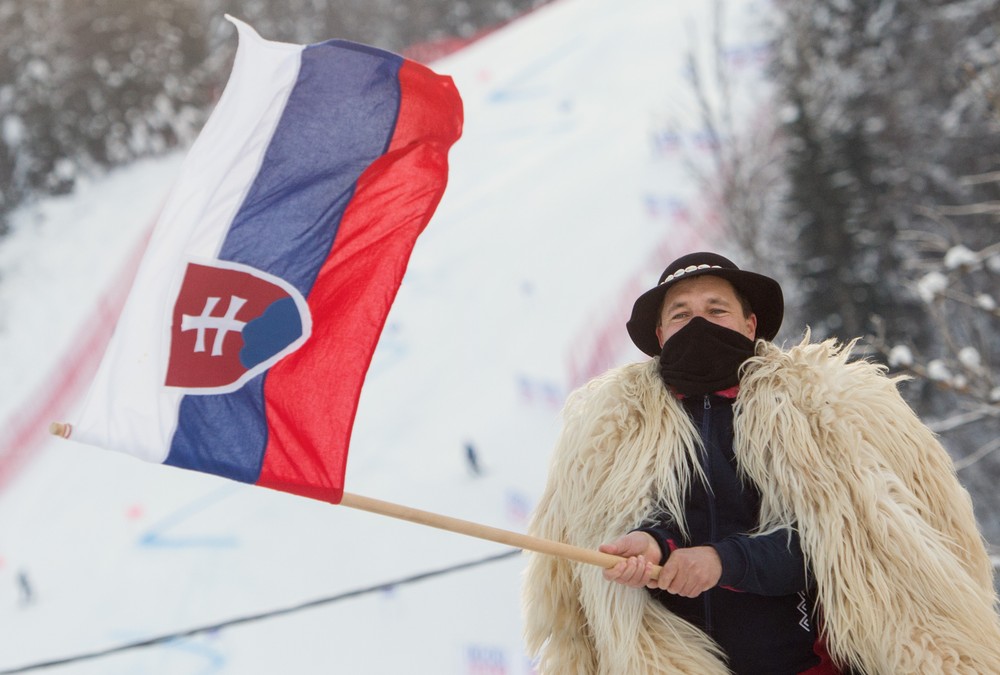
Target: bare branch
979,179
971,209
978,455
960,420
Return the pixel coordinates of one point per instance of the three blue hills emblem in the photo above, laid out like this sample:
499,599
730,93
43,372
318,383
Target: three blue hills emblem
231,322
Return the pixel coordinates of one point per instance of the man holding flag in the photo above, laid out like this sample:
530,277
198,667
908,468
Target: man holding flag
806,521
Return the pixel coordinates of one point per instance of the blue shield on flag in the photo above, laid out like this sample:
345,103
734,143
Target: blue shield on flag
231,322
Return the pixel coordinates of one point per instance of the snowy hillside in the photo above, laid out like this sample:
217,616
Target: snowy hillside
569,191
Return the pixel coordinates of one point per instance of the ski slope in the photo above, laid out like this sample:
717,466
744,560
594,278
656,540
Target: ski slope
570,190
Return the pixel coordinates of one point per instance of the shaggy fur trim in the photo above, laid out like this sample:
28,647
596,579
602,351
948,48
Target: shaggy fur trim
617,453
904,580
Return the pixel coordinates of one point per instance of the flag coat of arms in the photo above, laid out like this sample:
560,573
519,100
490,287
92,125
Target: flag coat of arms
246,336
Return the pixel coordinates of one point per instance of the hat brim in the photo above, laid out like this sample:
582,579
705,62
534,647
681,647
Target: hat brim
763,293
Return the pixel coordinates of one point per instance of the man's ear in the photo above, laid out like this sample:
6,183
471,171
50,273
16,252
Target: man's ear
659,336
752,326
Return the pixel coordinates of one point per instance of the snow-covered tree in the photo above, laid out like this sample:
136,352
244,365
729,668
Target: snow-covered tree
885,113
892,136
956,379
90,85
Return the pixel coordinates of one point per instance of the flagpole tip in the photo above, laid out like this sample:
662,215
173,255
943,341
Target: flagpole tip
60,429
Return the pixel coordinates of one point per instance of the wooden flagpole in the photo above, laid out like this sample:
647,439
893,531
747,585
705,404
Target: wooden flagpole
522,541
515,539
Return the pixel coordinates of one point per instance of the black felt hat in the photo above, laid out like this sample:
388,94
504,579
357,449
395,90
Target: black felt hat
763,294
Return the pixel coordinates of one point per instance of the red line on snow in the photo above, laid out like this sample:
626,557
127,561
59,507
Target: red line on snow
25,430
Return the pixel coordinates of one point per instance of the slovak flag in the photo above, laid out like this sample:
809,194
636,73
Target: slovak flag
246,336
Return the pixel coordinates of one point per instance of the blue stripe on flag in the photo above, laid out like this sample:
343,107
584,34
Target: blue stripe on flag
339,118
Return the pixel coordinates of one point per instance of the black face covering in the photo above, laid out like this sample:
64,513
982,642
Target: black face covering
703,357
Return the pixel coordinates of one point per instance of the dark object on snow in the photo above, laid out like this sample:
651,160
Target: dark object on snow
473,460
24,586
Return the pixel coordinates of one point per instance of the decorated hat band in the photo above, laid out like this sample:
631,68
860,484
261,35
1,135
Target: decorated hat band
690,268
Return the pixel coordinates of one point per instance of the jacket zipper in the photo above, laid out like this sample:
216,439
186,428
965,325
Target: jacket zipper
705,424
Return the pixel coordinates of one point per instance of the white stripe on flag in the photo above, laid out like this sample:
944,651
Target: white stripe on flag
127,394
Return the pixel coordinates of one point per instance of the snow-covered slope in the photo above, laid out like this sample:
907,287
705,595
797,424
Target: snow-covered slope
569,191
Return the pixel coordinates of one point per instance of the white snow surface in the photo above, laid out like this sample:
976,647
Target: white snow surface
570,190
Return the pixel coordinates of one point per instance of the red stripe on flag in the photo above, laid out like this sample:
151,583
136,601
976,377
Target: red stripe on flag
311,396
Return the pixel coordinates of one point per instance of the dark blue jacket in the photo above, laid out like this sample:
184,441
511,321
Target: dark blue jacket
761,611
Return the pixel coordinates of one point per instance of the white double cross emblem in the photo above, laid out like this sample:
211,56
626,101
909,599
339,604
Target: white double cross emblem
220,324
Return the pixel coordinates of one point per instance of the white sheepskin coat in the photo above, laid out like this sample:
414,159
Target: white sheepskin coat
904,581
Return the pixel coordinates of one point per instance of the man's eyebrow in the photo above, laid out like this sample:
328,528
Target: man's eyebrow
713,300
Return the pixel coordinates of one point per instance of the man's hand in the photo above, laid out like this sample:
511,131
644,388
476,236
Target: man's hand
689,571
641,551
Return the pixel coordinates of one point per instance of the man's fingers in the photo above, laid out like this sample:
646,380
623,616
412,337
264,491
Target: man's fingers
631,544
615,573
690,572
632,572
687,583
690,589
618,572
635,572
667,575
